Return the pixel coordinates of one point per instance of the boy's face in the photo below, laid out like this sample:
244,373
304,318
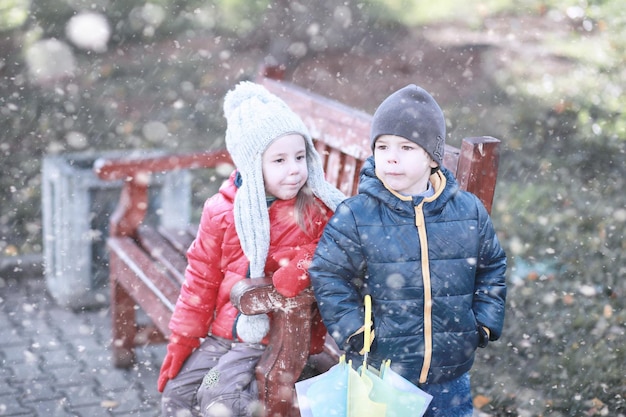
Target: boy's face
284,167
402,165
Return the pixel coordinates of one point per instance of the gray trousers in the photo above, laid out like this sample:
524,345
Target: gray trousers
216,380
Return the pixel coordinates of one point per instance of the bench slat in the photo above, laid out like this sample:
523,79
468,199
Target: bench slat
161,250
451,159
478,165
348,183
179,239
154,287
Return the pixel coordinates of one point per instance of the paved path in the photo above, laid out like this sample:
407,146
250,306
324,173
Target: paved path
56,362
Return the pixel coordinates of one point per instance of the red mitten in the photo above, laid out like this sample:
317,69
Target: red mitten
178,350
292,278
279,259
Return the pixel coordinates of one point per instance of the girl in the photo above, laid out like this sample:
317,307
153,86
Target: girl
265,221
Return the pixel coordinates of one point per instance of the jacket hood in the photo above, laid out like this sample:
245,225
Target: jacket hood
371,185
229,188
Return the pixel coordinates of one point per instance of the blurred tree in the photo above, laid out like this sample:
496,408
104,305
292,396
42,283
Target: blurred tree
13,13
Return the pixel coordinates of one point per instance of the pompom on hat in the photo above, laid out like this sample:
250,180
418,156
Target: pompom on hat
413,114
255,118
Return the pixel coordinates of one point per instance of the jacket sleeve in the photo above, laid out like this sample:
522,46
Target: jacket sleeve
337,272
196,303
490,282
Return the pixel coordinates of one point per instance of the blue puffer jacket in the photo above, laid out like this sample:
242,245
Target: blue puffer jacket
433,266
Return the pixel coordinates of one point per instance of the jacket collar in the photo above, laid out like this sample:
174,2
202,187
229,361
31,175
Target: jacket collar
443,182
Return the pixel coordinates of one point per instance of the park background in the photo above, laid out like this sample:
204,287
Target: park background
546,77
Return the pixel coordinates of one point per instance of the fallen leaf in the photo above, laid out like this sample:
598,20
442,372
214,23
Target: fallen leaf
568,299
480,401
597,403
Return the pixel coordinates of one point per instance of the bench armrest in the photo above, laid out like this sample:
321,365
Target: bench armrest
135,172
289,342
258,296
127,168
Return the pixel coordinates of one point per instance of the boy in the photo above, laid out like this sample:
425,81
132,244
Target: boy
425,251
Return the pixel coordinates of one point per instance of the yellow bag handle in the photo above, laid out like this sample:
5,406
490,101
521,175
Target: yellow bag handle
367,329
367,339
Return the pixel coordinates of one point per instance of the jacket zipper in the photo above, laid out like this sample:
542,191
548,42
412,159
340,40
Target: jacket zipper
428,320
438,180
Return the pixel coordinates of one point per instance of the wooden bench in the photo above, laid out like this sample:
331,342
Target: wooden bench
147,264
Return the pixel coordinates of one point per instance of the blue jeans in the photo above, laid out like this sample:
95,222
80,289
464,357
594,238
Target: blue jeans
450,399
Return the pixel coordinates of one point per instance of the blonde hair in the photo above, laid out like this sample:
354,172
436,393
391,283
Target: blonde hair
305,208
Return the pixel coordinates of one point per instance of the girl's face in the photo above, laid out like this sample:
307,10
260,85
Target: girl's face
284,167
402,165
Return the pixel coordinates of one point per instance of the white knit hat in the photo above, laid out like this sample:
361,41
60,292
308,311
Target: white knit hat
255,119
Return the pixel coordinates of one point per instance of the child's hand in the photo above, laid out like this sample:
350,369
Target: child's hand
356,343
178,350
279,259
292,278
483,336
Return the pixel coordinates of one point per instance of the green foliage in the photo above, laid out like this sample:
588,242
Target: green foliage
566,342
561,211
413,13
13,13
241,16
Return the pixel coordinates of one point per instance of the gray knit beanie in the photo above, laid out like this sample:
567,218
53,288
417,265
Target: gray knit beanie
413,114
255,119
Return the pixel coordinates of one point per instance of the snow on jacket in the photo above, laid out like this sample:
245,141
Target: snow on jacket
433,266
216,263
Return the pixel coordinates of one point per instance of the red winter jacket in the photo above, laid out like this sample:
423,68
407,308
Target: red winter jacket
216,262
